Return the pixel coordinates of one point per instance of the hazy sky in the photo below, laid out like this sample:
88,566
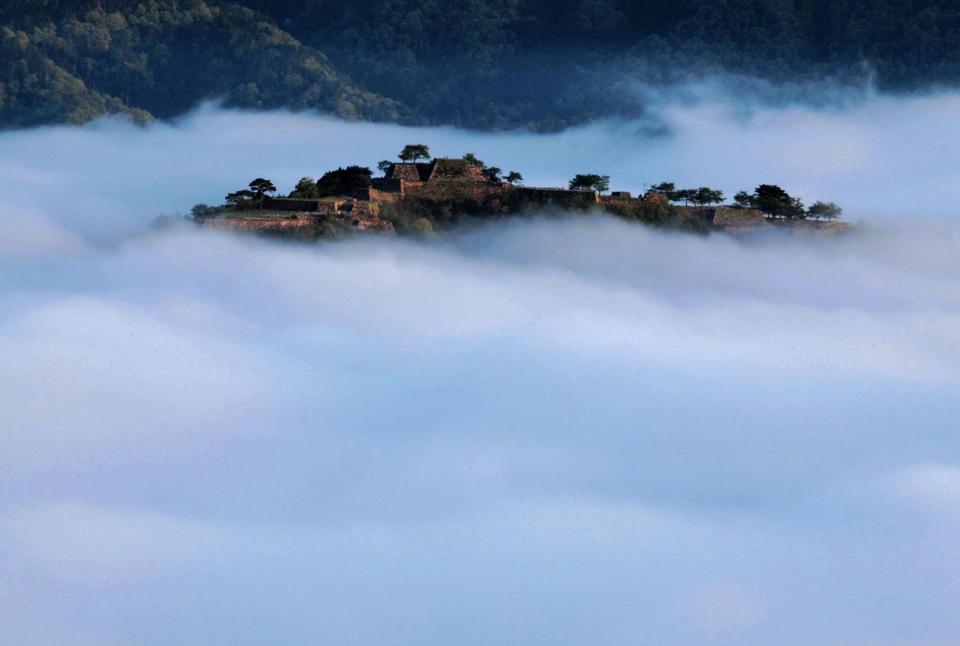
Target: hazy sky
561,431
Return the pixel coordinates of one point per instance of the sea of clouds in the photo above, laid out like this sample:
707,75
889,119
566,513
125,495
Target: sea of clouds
552,431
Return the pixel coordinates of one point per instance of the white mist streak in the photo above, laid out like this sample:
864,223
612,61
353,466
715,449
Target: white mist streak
564,431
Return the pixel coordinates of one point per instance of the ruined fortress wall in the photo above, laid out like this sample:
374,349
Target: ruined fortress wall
377,195
254,224
292,204
440,190
724,217
556,196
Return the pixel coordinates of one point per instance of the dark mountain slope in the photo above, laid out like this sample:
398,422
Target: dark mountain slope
541,64
72,61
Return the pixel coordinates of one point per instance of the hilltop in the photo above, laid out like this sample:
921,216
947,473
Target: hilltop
418,198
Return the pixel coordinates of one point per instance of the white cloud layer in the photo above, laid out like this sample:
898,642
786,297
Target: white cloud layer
566,431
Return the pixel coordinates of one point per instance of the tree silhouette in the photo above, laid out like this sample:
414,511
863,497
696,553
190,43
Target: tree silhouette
824,211
704,195
598,183
237,198
472,160
413,152
260,188
513,177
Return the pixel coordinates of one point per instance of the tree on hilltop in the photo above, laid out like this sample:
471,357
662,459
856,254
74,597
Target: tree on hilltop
235,199
493,173
306,188
344,181
413,152
667,188
685,195
472,160
261,187
513,177
744,200
599,183
704,196
824,211
384,166
772,201
775,202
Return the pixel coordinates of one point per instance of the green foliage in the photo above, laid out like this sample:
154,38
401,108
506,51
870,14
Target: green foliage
344,181
599,183
200,211
413,152
260,187
237,198
75,61
472,160
667,188
745,200
775,202
305,189
824,211
477,63
513,177
704,196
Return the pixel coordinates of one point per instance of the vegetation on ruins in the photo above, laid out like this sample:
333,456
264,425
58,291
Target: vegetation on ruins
260,188
824,211
599,183
344,181
442,195
413,152
772,201
305,189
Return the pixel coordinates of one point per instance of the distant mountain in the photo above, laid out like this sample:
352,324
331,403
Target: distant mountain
540,64
74,61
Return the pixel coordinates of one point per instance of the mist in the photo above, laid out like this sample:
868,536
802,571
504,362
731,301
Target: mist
555,430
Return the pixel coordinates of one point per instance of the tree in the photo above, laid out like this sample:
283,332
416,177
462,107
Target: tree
200,211
703,196
472,160
493,173
598,183
344,181
513,177
306,188
775,202
239,197
744,200
685,195
667,188
260,188
384,166
824,211
413,152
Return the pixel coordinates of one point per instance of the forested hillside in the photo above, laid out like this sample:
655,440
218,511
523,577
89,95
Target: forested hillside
541,64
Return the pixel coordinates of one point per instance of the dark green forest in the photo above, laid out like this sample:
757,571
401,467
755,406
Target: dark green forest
487,64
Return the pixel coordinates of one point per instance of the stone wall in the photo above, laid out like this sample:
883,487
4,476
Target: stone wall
725,218
264,224
561,197
447,189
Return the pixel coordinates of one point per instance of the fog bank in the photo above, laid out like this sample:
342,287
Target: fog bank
881,158
553,431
